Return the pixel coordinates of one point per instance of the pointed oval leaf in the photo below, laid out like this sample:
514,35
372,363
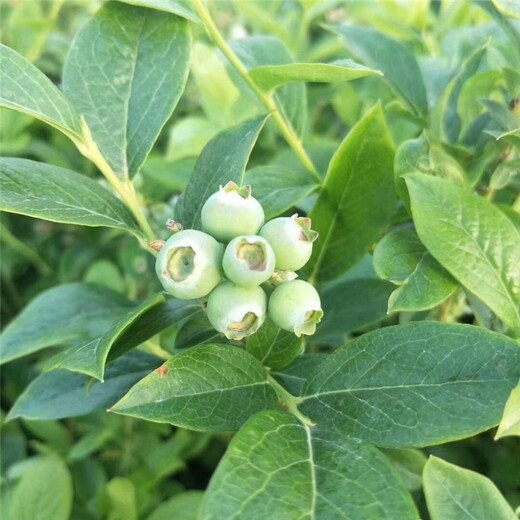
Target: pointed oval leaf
206,388
356,200
301,472
442,381
136,61
472,240
51,193
223,159
70,312
392,58
26,89
454,493
510,423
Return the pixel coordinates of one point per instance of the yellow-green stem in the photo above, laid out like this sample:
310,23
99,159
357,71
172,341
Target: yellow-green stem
266,100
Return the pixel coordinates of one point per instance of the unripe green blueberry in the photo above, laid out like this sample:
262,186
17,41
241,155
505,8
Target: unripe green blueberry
236,311
189,264
231,212
291,239
248,260
295,306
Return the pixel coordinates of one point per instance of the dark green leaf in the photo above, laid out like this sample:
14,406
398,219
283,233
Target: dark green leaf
454,493
409,463
472,239
45,491
60,393
278,189
182,8
26,89
206,388
223,159
441,381
357,198
136,61
270,77
274,347
135,327
294,376
51,193
197,330
392,58
63,314
276,464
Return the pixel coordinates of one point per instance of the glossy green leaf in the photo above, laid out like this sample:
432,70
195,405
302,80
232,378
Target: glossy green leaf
136,61
278,189
223,159
401,258
294,376
356,200
446,121
197,330
344,310
259,51
51,193
63,314
184,506
270,77
471,239
26,89
60,393
442,382
392,58
274,347
132,329
45,491
206,388
182,8
409,463
510,423
277,465
454,493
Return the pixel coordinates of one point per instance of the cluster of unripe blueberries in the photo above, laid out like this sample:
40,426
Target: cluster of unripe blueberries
234,256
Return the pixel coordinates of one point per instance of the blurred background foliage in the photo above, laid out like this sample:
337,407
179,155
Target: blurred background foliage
123,468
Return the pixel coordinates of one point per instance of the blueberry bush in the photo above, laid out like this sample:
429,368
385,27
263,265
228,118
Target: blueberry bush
260,259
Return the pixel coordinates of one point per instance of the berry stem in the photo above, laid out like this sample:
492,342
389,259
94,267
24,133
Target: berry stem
266,99
289,401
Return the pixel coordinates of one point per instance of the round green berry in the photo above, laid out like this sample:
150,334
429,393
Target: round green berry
236,311
295,306
248,260
231,212
291,239
189,264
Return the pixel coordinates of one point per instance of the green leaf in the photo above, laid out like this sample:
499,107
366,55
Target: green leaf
393,59
291,99
344,310
51,193
278,189
454,493
132,329
26,89
121,495
270,77
45,491
60,393
63,314
136,61
274,347
184,506
223,159
510,423
409,463
471,239
508,8
446,121
442,382
206,388
294,376
197,330
276,465
401,258
182,8
356,200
